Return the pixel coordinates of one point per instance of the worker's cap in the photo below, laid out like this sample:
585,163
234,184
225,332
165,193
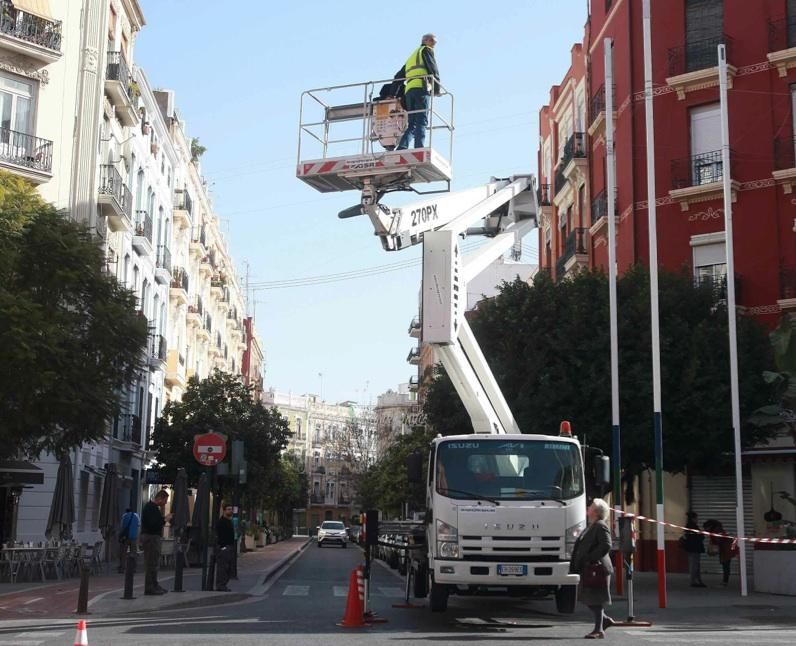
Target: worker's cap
430,37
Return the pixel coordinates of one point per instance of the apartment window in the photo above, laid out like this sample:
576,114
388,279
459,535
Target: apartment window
126,270
113,19
298,428
16,105
706,166
704,20
709,258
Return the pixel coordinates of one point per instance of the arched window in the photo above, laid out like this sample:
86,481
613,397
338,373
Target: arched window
145,298
126,270
161,227
139,190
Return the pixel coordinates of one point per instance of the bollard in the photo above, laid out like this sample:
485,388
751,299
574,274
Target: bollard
129,576
179,564
82,595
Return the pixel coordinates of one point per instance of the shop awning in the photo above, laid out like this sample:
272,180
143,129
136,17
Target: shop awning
17,472
40,8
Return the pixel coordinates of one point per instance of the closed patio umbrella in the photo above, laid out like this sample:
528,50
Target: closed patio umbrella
109,507
179,504
62,508
199,523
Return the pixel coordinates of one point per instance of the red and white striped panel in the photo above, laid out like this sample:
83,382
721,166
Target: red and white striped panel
359,163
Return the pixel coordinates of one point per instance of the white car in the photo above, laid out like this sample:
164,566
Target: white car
332,531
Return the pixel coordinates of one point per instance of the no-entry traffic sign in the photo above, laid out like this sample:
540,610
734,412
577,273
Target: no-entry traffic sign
209,448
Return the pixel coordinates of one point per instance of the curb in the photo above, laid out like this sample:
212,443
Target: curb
284,561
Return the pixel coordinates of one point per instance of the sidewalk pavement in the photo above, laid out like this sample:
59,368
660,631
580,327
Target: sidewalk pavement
713,605
59,598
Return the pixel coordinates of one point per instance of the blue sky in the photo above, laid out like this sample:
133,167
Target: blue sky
238,72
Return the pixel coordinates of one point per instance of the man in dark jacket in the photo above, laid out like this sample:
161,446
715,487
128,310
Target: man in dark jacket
152,522
694,545
225,545
422,76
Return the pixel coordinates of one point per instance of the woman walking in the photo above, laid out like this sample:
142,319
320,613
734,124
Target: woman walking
723,545
591,561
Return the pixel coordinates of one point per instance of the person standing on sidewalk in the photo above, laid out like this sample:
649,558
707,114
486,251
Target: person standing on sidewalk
152,522
694,545
723,545
225,545
128,536
592,547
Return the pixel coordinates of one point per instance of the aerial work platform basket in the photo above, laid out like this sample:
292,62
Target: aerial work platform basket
348,136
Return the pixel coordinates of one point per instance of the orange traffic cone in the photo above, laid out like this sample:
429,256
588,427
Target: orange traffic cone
81,636
353,606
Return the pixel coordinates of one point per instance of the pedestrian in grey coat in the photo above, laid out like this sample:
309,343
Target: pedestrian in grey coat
594,546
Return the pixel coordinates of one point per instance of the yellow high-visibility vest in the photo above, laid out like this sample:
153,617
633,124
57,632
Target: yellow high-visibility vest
415,70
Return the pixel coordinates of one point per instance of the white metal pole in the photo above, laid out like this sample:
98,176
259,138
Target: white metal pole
654,312
616,450
731,313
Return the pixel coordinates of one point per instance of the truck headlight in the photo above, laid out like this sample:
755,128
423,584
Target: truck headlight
448,550
447,532
571,536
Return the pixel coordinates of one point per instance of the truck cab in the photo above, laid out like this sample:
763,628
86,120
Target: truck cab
504,512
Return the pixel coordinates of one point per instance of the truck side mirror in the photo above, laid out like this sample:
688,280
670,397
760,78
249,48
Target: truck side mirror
602,469
414,467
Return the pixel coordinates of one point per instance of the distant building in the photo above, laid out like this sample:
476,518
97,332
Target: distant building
396,414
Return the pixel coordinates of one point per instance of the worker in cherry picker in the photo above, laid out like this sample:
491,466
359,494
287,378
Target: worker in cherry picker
422,78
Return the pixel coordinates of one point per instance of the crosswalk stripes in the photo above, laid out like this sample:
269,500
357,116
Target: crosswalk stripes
760,637
391,592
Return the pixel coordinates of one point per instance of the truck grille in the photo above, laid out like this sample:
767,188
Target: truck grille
512,548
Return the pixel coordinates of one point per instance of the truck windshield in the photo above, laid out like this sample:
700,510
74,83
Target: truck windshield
509,470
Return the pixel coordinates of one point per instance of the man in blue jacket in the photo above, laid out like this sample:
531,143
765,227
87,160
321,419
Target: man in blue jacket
128,536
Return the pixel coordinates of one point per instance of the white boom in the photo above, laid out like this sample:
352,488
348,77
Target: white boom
504,209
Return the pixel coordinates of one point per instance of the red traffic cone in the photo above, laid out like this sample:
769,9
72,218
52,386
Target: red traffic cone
353,606
81,636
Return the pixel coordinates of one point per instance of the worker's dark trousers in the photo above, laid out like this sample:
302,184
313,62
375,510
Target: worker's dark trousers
224,557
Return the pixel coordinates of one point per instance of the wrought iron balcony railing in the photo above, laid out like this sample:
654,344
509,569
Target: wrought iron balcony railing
127,428
164,258
158,347
182,201
574,148
599,205
781,34
698,55
179,279
111,183
784,149
143,225
574,244
26,150
118,71
543,195
598,102
697,170
32,29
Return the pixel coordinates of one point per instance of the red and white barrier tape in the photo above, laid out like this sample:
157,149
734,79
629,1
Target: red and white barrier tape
747,539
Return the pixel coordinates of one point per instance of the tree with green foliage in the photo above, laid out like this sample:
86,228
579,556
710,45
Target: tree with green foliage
385,485
222,403
548,346
288,490
70,338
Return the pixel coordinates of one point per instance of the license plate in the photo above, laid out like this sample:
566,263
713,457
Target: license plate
512,570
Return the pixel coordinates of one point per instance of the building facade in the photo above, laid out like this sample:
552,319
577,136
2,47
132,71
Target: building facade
81,121
397,413
334,442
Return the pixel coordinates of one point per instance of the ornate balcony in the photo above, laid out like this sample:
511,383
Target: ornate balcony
115,199
575,254
126,428
695,65
415,328
597,111
785,162
119,88
574,156
599,209
163,265
413,357
782,44
26,155
30,35
414,383
195,314
183,209
142,235
157,351
178,290
699,178
175,370
198,247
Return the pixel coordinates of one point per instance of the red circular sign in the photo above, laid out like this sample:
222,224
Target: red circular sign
209,448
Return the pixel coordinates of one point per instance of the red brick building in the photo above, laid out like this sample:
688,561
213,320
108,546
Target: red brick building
690,215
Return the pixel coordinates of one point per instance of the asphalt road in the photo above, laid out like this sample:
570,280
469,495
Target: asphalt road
305,602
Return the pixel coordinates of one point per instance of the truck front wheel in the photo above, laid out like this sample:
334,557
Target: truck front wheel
566,596
438,598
